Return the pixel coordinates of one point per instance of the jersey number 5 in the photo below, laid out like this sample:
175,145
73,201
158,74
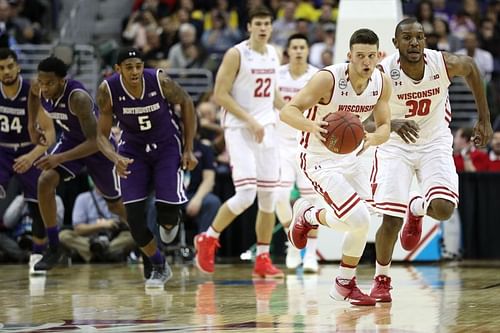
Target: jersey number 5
14,126
144,123
262,89
421,107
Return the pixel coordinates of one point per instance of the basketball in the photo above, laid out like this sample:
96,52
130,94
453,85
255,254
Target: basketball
345,132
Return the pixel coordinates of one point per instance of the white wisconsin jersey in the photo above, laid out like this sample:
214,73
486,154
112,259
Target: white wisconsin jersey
254,85
426,102
344,98
289,87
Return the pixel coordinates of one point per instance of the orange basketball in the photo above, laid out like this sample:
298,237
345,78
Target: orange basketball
345,132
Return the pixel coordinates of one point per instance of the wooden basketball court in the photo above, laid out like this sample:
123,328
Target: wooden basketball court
446,297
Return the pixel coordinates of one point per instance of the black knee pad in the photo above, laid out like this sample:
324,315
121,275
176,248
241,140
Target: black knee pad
37,227
136,213
168,214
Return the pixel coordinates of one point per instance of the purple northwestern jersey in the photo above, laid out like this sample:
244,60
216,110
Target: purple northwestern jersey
144,120
61,112
14,116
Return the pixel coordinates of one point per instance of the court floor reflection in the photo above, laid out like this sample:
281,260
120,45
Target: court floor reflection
426,298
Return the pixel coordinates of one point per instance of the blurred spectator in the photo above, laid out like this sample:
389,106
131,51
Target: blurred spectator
327,12
217,40
160,8
155,52
6,36
424,13
441,10
461,25
328,43
184,53
210,130
446,41
24,31
304,27
97,233
465,155
483,58
187,14
203,204
494,155
135,30
327,57
472,10
230,15
285,25
488,39
305,10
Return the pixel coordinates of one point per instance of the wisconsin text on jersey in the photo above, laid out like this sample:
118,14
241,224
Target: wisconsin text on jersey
141,110
356,108
419,94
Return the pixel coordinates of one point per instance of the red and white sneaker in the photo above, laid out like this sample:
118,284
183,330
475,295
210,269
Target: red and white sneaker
412,229
205,252
264,267
347,290
381,289
299,228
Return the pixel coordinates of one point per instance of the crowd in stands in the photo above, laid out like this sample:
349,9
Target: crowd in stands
197,33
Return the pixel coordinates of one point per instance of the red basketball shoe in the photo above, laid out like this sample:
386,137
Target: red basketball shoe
205,252
264,267
348,290
299,228
412,229
381,288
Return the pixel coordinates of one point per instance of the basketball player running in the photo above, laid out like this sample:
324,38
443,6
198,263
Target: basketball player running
245,87
362,89
17,153
291,78
70,105
151,150
421,144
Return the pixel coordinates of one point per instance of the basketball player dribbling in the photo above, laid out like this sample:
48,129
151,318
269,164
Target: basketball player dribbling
421,144
245,87
358,87
291,78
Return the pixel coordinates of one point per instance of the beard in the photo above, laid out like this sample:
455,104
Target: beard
10,82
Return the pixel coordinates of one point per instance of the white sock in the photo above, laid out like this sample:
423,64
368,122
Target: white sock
262,248
312,243
212,233
346,273
417,206
311,216
381,269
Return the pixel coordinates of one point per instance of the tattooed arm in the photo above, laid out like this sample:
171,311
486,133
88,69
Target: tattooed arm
176,95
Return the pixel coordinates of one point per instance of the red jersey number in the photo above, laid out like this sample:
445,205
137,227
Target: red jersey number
262,89
421,107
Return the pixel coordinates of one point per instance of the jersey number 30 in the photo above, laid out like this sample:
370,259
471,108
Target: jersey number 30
421,107
14,126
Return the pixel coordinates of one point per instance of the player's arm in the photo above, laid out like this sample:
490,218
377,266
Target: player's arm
176,95
382,115
462,65
318,89
82,105
34,106
278,102
222,92
104,124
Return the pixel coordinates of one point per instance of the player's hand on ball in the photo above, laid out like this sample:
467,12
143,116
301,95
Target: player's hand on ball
482,133
319,129
121,166
406,129
189,161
